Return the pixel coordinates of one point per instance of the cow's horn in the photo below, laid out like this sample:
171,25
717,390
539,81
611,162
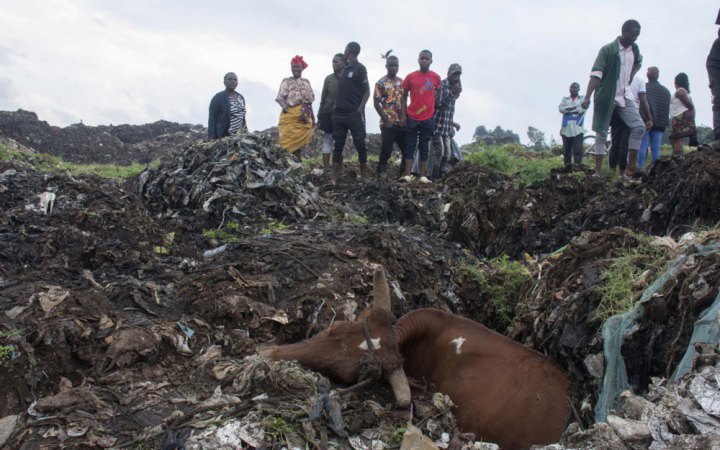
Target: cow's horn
400,387
381,291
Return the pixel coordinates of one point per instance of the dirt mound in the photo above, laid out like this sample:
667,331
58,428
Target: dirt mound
683,193
79,143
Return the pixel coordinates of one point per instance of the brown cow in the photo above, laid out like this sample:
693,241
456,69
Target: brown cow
337,351
504,392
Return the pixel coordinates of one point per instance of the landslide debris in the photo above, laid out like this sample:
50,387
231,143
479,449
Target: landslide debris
130,311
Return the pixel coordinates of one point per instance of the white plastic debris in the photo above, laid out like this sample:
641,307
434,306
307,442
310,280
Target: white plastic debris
47,200
7,425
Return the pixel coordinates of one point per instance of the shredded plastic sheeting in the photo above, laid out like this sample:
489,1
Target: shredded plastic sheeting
618,327
707,330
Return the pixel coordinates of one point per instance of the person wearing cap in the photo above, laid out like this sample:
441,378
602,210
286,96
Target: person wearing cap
227,115
422,86
445,128
615,66
713,68
295,97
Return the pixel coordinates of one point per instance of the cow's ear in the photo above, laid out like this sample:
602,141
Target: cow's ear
381,291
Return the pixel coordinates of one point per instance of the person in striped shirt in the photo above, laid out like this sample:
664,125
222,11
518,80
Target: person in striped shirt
228,114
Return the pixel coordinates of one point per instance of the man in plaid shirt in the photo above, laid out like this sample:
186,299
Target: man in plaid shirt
444,126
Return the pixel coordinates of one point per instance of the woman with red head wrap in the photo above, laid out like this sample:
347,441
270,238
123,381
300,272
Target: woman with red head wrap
297,118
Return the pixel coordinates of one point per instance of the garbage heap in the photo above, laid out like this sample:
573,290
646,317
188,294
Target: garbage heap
683,415
241,178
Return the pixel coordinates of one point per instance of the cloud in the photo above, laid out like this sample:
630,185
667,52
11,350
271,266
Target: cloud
138,61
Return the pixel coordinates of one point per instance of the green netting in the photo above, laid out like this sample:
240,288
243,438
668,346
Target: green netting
616,328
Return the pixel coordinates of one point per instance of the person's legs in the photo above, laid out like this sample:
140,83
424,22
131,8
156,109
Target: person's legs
577,147
357,130
655,142
642,151
616,135
340,130
425,135
599,150
327,149
447,153
715,91
411,142
434,157
623,139
567,149
388,137
630,114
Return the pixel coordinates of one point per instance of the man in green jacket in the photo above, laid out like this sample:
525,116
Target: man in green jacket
613,70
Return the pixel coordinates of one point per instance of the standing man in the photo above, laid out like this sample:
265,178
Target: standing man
348,115
422,86
444,126
658,99
327,104
713,69
227,112
387,100
614,68
572,131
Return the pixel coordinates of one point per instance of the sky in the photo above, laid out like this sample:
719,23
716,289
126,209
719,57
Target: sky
113,62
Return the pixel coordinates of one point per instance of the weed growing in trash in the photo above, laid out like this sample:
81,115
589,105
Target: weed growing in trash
272,228
627,274
501,279
6,352
528,168
276,428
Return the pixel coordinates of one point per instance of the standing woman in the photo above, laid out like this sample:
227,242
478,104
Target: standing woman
682,113
297,117
227,110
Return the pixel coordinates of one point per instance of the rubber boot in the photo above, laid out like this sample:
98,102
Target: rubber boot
336,170
363,171
326,161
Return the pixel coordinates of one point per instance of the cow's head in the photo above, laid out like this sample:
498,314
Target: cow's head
337,351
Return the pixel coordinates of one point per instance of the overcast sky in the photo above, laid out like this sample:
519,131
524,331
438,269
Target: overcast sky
132,61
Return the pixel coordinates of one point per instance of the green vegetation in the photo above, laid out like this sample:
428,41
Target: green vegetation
276,428
626,274
501,279
6,352
230,233
528,168
48,163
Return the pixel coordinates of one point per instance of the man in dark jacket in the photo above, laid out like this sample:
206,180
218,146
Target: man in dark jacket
227,114
658,98
713,68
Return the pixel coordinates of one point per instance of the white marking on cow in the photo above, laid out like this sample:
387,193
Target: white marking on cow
458,341
375,343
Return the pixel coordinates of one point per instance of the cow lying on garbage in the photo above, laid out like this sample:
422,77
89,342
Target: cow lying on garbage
338,351
504,392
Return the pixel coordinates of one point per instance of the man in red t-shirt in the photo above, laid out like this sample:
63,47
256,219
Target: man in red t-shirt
423,86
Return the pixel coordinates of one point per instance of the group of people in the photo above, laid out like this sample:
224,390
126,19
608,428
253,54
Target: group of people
414,112
637,113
